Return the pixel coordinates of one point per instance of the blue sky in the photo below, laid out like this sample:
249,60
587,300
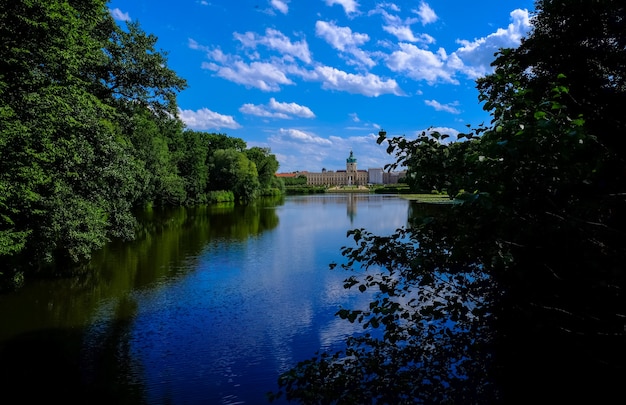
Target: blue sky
313,80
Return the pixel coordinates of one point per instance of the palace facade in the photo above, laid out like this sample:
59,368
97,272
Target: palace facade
349,177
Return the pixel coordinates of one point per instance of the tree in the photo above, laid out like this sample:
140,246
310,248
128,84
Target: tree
74,88
194,165
266,164
135,72
231,170
593,62
59,139
517,292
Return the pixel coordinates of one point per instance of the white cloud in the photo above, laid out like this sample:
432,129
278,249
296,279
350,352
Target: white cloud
398,27
276,109
475,57
349,6
366,84
420,64
193,44
405,33
451,107
426,14
206,119
354,117
119,15
340,38
344,40
277,41
261,75
280,5
298,136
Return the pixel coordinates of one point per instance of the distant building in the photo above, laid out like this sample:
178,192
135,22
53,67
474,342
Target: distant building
349,177
375,175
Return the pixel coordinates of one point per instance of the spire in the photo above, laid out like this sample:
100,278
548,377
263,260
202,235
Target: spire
351,159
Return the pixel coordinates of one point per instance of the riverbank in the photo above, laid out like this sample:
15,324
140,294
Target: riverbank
427,198
348,189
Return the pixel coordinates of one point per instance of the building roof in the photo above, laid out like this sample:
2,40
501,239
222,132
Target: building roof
351,158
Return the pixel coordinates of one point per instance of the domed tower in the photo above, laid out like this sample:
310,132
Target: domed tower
351,163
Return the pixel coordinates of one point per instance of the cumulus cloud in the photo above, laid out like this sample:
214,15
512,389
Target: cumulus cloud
426,14
450,107
473,58
264,76
299,136
119,15
206,119
276,109
421,64
405,33
349,6
366,84
401,28
280,5
344,40
276,40
340,38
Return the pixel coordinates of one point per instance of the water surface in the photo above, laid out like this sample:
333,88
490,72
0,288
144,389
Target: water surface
208,306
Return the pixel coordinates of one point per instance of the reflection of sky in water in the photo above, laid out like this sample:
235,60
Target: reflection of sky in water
249,310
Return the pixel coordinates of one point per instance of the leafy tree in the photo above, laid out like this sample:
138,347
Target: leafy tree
223,141
517,291
231,170
594,62
72,166
266,164
295,181
194,165
135,72
59,139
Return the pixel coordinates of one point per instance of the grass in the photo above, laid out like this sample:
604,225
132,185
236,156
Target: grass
427,198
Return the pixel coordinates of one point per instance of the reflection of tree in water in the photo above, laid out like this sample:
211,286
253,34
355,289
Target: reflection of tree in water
241,221
72,365
94,364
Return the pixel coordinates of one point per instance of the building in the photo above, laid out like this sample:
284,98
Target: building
376,175
352,176
349,177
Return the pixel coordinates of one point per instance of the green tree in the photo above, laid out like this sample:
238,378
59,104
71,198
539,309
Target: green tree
223,141
59,140
135,72
517,291
71,166
594,62
266,165
231,170
194,165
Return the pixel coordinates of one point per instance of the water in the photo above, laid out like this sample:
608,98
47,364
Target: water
209,306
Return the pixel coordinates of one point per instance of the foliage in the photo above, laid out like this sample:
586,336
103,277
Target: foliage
266,165
232,170
517,290
221,196
293,190
135,73
295,181
90,133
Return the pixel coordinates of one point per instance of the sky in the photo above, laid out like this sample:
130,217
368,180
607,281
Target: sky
313,80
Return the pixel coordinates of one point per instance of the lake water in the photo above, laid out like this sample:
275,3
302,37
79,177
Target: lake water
208,306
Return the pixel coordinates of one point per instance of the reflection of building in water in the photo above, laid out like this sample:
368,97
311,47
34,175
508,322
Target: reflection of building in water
351,206
349,177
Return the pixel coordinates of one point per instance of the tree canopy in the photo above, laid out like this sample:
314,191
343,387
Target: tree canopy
89,133
515,293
